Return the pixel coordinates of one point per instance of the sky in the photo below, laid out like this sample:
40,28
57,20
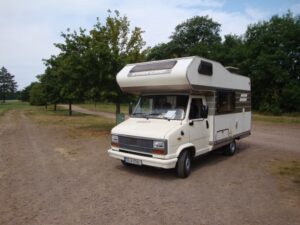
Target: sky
29,28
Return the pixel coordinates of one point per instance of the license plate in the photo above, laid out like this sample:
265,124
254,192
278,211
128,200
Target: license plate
133,161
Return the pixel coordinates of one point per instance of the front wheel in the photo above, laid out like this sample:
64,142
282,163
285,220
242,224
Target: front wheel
230,149
184,164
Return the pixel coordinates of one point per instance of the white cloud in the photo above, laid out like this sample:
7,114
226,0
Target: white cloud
255,13
201,3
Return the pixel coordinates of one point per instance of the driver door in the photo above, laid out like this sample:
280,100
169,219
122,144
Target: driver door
198,125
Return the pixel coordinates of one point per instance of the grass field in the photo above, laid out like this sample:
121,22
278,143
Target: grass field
78,123
13,105
287,170
289,119
104,107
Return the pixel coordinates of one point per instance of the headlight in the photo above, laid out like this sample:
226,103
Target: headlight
114,139
158,145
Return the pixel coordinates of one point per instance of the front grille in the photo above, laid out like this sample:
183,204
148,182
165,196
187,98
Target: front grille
136,144
131,152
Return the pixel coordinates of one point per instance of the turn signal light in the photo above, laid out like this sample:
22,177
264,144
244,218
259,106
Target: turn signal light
115,145
158,151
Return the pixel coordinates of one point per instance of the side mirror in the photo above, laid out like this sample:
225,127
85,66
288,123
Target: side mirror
204,111
191,123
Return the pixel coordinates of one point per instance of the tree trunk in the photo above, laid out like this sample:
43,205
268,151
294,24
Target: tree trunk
95,103
54,106
118,107
46,106
70,108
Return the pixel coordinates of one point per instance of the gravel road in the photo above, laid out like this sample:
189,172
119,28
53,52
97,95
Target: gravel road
49,177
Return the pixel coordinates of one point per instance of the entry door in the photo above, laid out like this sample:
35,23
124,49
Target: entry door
198,126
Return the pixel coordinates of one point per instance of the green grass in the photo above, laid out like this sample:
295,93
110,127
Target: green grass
104,107
77,124
287,118
292,170
287,169
13,105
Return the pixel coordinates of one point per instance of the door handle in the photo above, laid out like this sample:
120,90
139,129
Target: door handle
207,124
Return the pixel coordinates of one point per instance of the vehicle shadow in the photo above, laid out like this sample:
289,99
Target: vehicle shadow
205,160
216,157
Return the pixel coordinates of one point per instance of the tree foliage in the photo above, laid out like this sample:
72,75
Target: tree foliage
272,61
269,53
199,35
122,45
25,96
88,62
7,84
37,95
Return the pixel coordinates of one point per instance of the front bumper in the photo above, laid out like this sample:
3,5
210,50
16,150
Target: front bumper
148,161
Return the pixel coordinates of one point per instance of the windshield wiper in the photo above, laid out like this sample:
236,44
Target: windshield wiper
153,114
138,113
166,118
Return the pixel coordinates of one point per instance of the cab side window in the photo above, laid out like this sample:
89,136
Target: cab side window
195,109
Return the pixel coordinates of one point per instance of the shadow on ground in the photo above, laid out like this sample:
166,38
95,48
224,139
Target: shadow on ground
209,159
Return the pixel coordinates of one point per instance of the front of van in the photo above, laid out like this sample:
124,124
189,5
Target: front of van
144,139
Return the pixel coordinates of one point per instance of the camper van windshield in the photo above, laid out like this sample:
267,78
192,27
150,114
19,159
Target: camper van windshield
171,107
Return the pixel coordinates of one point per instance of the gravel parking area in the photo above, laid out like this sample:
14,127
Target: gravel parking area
50,177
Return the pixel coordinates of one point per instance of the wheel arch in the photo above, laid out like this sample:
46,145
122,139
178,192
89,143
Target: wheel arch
188,146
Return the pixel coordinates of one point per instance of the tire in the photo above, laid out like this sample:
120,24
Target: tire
230,149
184,164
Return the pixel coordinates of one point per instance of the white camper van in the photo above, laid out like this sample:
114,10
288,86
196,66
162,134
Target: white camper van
187,107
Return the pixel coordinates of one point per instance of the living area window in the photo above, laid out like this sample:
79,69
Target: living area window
225,102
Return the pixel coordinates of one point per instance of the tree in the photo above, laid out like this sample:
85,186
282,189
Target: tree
51,81
25,93
273,63
37,95
197,30
231,52
269,53
68,69
123,45
88,62
7,84
165,51
196,36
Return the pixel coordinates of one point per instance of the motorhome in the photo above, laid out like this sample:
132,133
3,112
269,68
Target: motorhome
187,107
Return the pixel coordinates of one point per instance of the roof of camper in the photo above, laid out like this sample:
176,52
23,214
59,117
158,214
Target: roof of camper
188,74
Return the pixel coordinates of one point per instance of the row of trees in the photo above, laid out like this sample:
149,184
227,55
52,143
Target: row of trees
268,52
85,68
87,64
8,86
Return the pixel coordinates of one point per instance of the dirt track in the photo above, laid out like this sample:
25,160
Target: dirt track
90,112
48,177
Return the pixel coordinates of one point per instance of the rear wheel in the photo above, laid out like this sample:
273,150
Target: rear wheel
230,149
184,164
